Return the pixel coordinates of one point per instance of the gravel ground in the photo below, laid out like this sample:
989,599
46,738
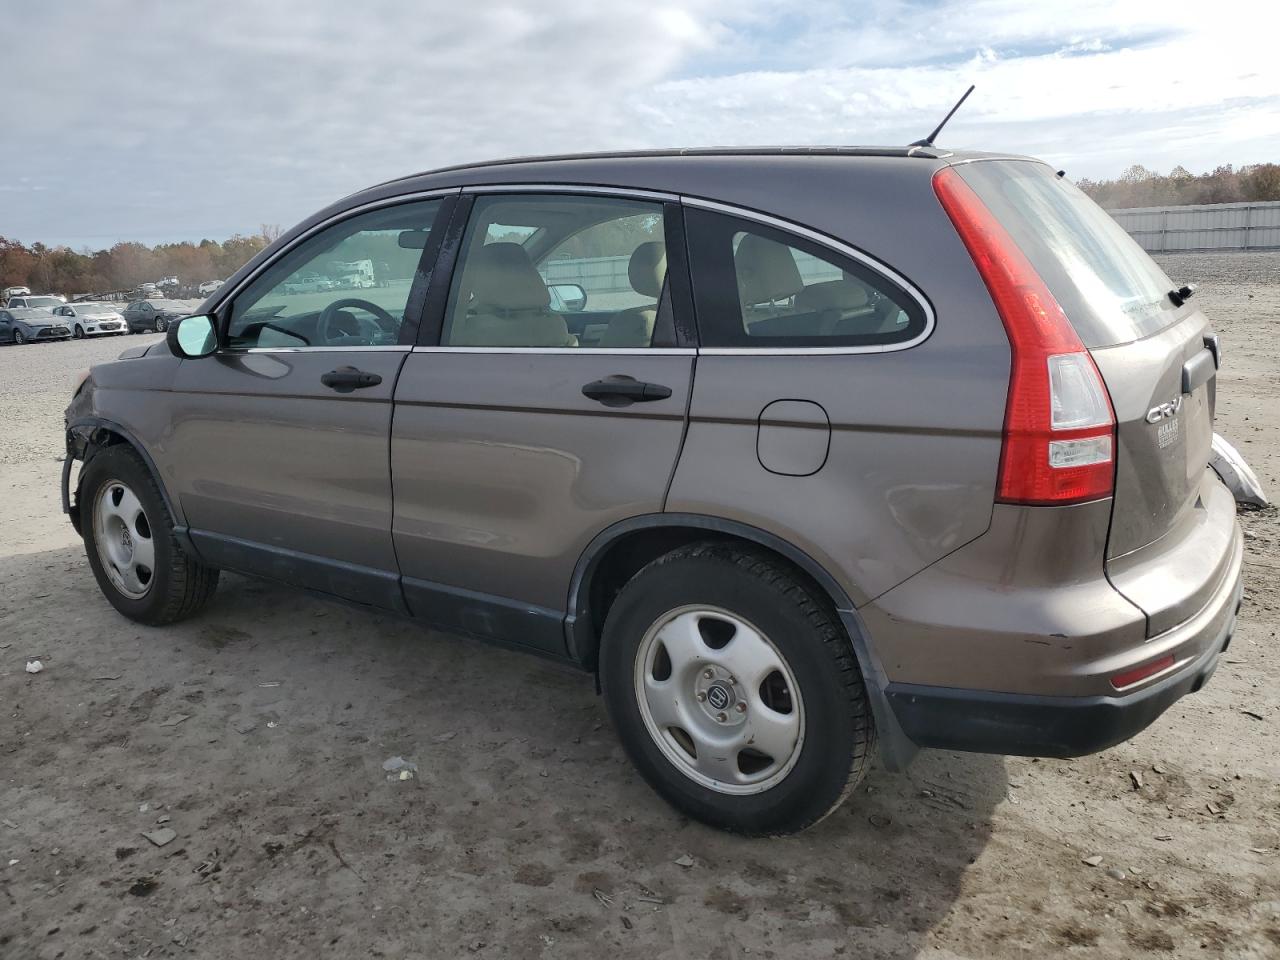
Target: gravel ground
525,832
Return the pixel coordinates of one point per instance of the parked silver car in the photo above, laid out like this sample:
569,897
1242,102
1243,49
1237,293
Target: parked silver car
839,454
19,325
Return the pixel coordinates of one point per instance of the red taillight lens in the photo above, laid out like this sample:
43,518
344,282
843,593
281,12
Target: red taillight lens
1059,428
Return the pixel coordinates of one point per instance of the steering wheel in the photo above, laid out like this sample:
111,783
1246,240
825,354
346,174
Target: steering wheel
327,336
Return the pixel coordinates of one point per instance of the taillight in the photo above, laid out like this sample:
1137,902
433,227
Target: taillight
1059,427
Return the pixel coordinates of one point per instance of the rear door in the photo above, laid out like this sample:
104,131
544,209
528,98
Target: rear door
279,441
1158,357
522,431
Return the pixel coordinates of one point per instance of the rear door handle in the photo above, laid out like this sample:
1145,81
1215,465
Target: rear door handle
346,379
620,390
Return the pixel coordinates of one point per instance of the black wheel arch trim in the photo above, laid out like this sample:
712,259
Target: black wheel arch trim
895,748
80,446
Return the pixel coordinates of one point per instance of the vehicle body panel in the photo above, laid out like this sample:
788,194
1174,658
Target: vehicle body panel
262,453
504,471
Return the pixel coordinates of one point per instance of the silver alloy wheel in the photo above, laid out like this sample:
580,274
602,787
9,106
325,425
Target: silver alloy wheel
719,700
123,536
19,337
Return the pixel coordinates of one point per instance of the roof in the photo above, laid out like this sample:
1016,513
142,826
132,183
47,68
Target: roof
930,153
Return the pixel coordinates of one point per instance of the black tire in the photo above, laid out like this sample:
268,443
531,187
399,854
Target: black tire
180,584
19,338
161,325
77,332
839,734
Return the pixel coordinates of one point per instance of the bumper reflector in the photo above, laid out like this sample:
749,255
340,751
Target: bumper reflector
1130,677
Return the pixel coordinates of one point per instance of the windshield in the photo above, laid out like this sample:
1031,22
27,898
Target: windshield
169,305
93,309
37,316
43,302
1110,288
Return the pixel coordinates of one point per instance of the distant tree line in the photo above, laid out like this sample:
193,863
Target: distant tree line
1140,187
125,265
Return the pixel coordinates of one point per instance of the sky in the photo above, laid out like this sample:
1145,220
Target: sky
164,121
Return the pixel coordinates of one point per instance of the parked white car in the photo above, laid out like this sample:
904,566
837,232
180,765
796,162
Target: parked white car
44,301
92,319
209,286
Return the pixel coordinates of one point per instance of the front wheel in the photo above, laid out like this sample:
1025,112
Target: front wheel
78,332
735,690
137,560
19,337
162,325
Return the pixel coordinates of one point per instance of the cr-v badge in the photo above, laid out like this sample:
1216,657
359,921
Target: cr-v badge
1164,411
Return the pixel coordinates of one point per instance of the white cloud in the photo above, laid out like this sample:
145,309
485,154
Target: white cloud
193,119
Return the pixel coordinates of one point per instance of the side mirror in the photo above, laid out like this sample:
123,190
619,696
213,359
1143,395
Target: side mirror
567,297
192,337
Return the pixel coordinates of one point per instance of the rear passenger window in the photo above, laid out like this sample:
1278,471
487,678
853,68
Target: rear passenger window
560,271
756,286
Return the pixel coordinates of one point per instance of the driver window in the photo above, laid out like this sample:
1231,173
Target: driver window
347,286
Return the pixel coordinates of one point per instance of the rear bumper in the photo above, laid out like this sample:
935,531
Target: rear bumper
1055,726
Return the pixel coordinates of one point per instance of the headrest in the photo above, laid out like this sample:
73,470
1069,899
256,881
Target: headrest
647,269
501,275
766,271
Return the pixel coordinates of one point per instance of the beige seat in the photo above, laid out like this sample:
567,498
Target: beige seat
646,272
767,274
851,308
504,303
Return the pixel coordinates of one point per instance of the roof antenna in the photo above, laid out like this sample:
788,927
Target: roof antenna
928,141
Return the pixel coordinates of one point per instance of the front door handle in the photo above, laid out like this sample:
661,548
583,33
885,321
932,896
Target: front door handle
346,379
618,391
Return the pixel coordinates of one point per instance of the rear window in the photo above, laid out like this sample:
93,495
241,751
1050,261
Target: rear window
1112,291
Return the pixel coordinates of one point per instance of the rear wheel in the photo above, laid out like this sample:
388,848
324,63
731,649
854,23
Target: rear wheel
735,690
139,563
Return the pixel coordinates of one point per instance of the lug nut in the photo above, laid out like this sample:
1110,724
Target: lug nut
721,717
701,696
708,673
740,707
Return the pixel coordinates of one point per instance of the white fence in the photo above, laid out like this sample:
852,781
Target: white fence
1212,226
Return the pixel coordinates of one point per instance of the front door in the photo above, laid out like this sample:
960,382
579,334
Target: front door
523,428
280,439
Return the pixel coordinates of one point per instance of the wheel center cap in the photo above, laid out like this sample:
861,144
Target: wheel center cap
719,696
125,540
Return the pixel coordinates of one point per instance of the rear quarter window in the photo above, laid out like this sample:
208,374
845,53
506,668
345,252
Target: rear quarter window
756,286
1110,289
